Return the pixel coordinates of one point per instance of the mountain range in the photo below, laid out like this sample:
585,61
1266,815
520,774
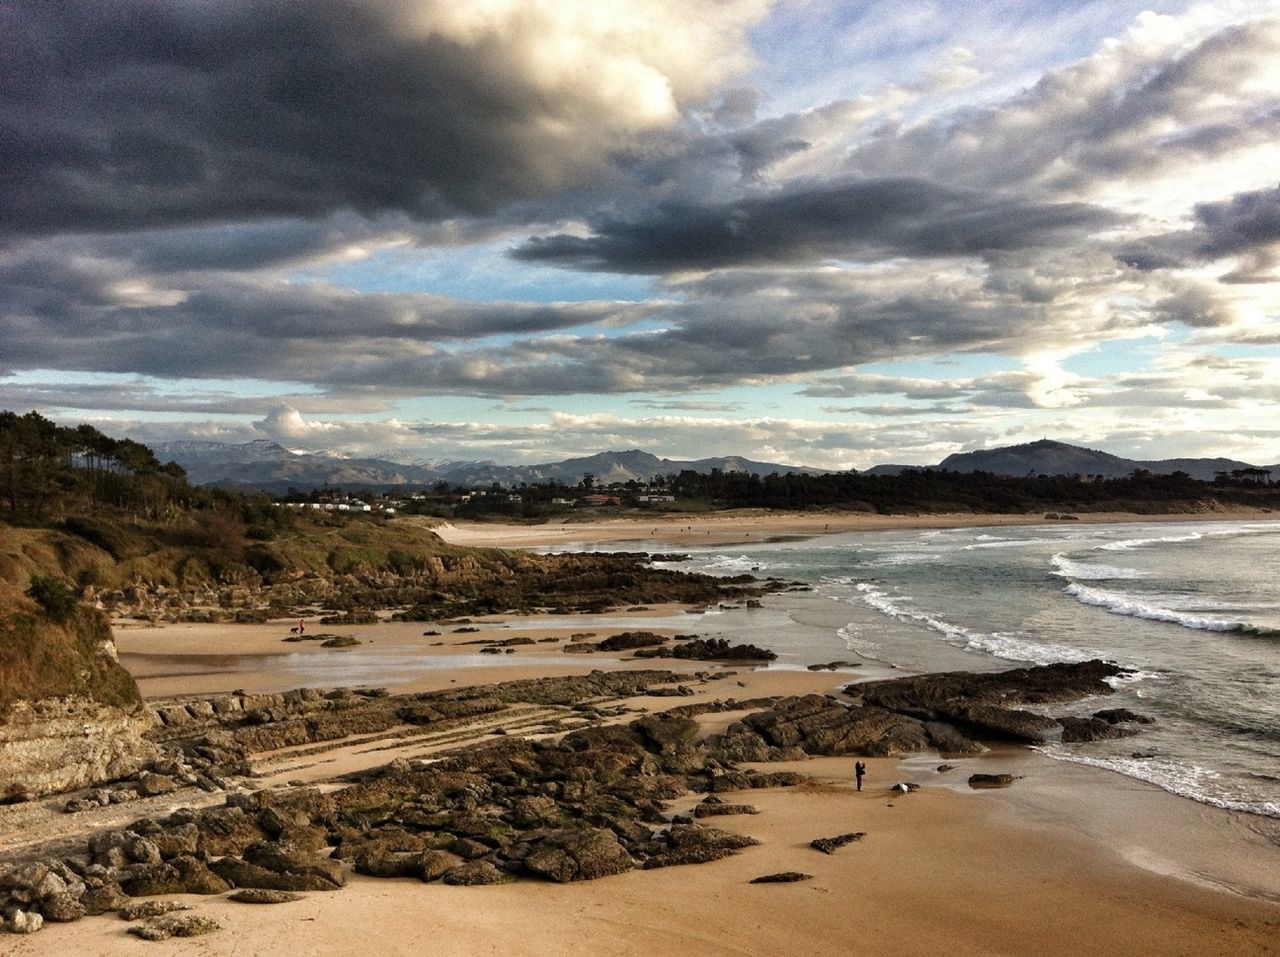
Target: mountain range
269,466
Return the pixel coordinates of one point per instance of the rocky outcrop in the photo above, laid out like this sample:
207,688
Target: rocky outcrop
63,744
820,725
983,704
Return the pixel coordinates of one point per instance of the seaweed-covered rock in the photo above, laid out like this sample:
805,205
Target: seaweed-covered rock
782,877
578,855
473,873
829,845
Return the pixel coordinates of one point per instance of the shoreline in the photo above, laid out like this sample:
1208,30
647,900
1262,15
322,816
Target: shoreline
744,526
1067,859
1070,858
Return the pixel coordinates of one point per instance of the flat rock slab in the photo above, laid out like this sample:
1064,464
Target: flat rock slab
141,910
175,925
261,895
829,845
782,877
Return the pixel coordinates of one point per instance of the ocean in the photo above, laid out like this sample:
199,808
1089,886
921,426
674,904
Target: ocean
1192,608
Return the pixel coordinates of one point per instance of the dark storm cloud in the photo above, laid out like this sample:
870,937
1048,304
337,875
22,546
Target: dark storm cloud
136,113
883,217
1247,226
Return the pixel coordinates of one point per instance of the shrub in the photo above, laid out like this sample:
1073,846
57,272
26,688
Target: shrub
54,596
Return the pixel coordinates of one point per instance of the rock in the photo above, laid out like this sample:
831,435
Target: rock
578,855
175,925
1123,716
982,702
833,665
819,725
1076,730
104,899
141,910
62,908
692,844
667,733
182,875
380,863
579,648
176,841
782,877
829,845
944,768
24,922
720,810
473,873
293,860
627,640
226,830
991,780
150,785
258,895
948,740
905,787
720,649
141,850
66,744
240,873
434,864
340,641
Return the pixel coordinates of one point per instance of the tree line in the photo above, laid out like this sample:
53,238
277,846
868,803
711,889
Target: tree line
45,467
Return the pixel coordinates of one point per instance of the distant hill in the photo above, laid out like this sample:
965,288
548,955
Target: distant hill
1047,457
271,467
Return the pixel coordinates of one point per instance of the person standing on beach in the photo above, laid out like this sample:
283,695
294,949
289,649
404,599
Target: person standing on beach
859,769
302,625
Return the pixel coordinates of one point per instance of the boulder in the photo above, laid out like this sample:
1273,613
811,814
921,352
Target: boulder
1076,730
175,925
473,873
240,873
434,864
23,921
62,908
991,780
578,855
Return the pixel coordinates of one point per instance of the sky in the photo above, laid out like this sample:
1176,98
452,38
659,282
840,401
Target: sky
812,232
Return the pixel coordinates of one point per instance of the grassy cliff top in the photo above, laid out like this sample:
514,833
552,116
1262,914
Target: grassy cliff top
41,658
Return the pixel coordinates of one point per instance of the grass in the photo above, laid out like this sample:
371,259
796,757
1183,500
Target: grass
44,659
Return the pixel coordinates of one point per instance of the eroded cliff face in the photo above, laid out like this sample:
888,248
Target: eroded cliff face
62,744
70,715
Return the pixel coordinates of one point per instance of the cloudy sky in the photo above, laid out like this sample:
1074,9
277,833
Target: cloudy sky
821,232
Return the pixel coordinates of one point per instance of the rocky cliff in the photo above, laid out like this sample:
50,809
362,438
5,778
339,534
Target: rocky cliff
70,715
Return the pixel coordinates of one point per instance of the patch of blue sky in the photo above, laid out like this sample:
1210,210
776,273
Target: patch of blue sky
165,386
1107,359
482,272
833,49
950,366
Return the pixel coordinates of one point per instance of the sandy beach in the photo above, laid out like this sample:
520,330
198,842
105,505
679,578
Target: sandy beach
740,526
1070,860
